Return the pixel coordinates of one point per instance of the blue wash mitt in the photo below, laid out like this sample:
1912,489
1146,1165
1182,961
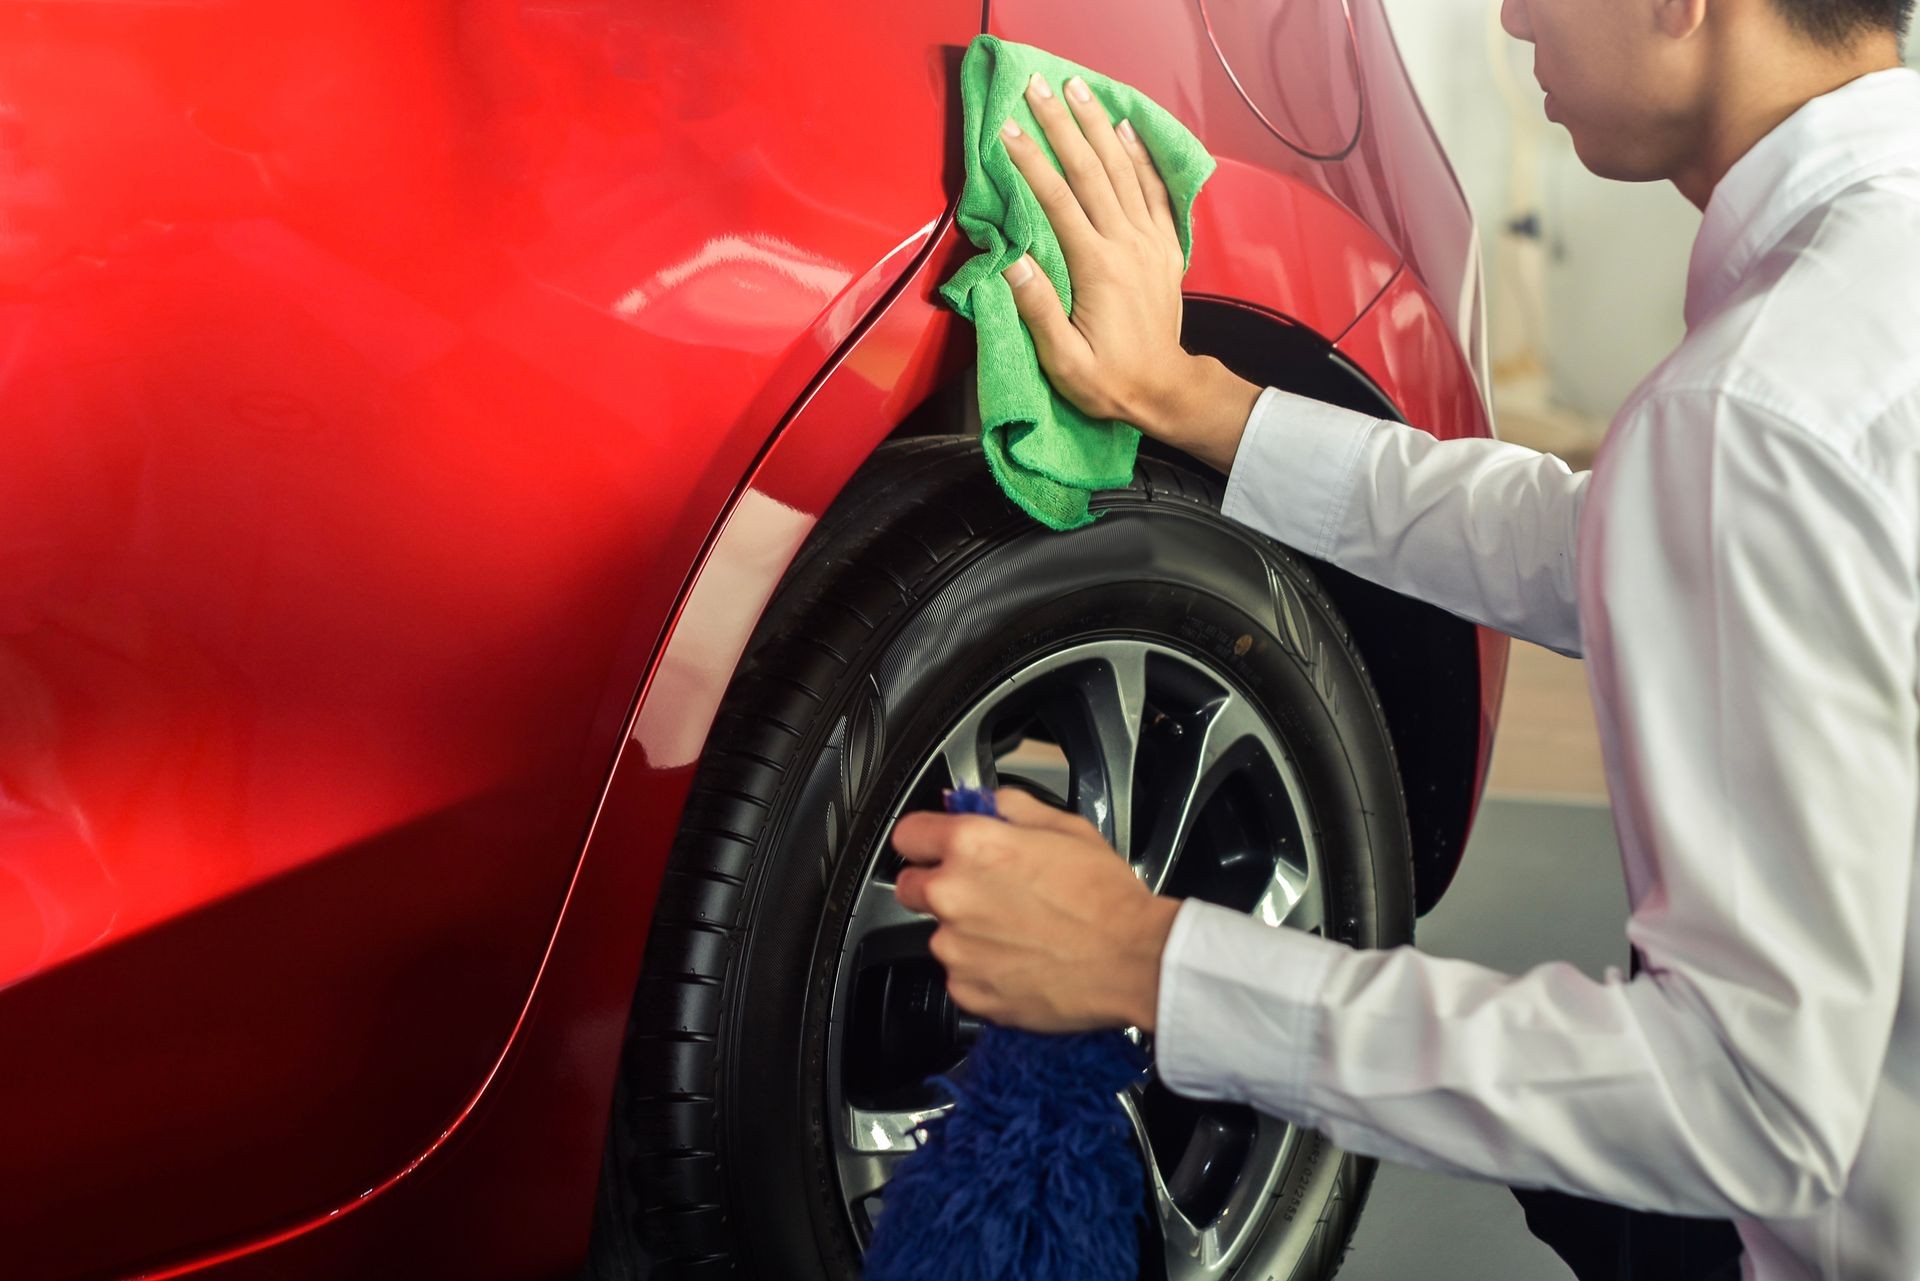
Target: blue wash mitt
1034,1175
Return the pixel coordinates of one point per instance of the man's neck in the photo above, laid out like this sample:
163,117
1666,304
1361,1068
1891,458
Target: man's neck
1760,90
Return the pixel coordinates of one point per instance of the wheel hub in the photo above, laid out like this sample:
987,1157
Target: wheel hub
906,1027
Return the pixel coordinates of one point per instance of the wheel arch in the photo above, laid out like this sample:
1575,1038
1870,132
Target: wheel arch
1425,663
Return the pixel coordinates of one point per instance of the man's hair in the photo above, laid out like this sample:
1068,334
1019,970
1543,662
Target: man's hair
1840,22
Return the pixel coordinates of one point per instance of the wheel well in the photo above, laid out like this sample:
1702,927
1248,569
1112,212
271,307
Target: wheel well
1425,663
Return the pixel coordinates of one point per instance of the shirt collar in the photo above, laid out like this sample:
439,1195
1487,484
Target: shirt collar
1866,127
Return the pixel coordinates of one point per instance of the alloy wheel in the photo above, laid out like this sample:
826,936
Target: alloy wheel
1184,774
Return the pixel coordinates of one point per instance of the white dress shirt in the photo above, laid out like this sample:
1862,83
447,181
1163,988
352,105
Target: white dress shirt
1741,571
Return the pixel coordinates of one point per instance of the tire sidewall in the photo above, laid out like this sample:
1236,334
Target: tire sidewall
1169,571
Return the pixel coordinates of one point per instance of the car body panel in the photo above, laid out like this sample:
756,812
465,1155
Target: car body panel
519,1173
1296,66
1288,248
406,429
366,407
1237,226
1393,180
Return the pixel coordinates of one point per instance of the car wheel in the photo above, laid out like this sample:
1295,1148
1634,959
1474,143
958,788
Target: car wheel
1179,681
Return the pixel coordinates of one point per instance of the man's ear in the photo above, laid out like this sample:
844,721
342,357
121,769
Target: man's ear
1678,19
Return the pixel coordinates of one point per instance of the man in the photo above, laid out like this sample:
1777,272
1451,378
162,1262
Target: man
1741,571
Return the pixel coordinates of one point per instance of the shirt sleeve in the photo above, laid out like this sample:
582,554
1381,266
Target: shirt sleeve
1757,674
1480,528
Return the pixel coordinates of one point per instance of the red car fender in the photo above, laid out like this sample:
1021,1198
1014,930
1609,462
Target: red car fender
508,1191
1269,241
373,377
1405,346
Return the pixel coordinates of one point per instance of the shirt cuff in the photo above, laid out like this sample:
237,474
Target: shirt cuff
1296,469
1239,1009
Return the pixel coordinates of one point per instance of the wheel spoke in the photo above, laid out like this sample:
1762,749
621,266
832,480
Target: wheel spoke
1293,899
1231,726
1196,1253
864,1173
968,758
872,1145
1079,725
1185,1247
1164,1208
1114,689
888,1132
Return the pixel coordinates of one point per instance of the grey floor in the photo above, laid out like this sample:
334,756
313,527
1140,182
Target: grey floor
1541,882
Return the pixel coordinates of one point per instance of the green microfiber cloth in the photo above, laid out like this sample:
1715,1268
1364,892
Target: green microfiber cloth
1046,454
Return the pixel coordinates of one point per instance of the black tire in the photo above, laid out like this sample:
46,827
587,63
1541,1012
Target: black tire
921,587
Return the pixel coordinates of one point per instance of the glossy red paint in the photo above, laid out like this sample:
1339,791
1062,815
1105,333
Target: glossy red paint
1272,242
1312,101
511,1194
409,410
1303,237
367,404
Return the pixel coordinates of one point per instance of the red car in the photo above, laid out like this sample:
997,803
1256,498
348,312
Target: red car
490,537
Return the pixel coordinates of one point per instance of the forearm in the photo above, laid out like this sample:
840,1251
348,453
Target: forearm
1624,1092
1135,973
1481,529
1199,406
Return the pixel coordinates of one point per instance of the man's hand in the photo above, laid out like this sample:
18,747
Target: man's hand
1042,925
1120,355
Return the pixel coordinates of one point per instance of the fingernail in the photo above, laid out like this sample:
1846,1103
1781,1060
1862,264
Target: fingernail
1010,129
1126,131
1078,88
1038,85
1020,272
